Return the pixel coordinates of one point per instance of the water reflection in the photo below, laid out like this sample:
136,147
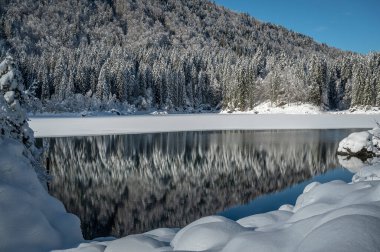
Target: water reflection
120,185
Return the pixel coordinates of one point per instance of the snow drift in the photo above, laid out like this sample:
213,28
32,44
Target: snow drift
30,219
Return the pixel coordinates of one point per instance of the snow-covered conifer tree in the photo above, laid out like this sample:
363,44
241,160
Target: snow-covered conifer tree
13,119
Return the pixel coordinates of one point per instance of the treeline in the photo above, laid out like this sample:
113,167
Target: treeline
174,55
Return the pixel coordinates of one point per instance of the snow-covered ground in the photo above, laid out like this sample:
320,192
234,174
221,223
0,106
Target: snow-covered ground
262,108
76,126
298,108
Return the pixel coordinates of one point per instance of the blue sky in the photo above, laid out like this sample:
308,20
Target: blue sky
346,24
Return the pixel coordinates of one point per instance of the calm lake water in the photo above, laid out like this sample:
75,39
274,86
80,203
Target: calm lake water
125,184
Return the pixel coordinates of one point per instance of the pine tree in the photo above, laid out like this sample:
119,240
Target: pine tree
318,81
13,118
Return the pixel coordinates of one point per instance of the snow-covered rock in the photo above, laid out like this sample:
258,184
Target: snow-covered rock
363,144
355,142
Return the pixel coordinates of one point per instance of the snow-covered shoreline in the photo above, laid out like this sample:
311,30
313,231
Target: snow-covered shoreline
87,126
263,108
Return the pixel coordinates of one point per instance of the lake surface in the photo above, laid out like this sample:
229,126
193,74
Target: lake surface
125,184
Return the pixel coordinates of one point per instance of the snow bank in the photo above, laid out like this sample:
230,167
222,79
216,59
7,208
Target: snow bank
30,219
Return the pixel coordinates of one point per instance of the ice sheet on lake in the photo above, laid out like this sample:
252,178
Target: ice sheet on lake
55,127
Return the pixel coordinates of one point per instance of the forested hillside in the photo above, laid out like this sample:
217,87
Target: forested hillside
175,55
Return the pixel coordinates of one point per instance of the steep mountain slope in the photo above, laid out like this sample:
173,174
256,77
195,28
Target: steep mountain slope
175,54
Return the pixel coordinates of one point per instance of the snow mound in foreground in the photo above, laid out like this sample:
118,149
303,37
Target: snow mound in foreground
30,219
334,216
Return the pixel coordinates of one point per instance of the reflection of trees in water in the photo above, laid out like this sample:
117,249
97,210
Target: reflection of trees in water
119,185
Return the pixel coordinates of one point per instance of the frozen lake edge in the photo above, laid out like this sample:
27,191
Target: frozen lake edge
109,125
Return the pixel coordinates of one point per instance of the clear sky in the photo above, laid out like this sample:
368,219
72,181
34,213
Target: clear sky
346,24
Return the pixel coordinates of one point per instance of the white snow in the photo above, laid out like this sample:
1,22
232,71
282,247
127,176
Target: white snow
268,108
300,108
367,140
30,219
355,142
209,233
368,173
54,127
